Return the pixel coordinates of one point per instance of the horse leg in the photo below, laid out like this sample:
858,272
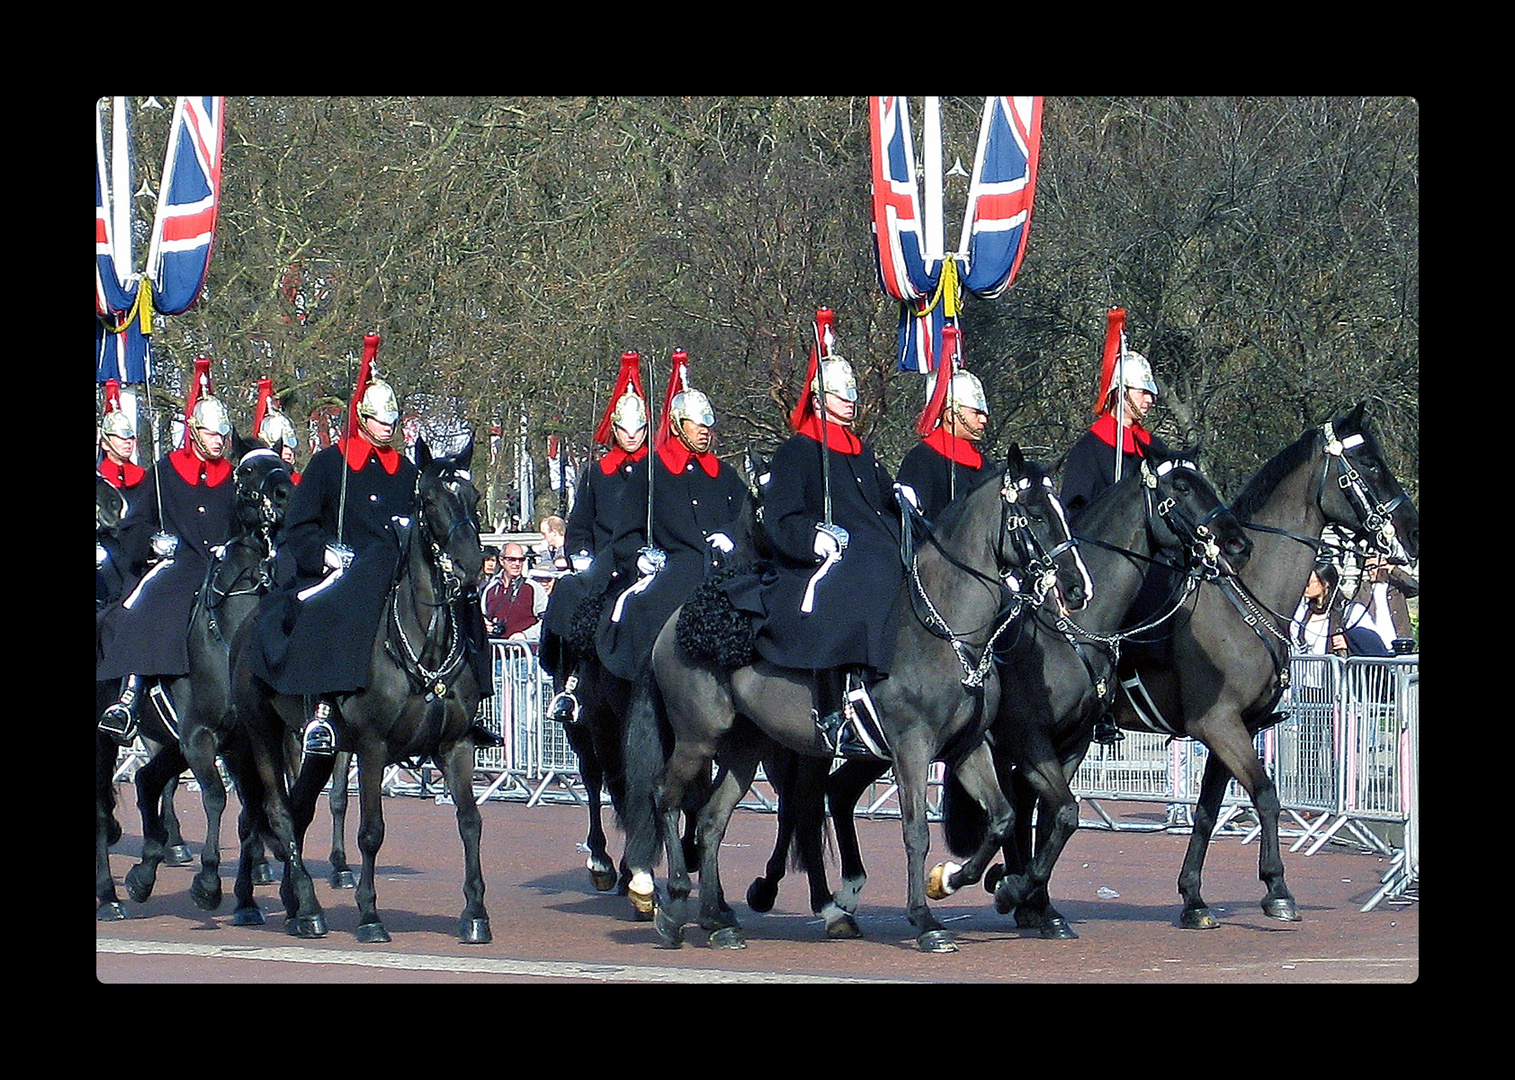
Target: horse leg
303,915
602,871
686,764
108,906
342,876
976,773
168,762
198,745
910,768
175,851
457,769
780,767
715,914
370,838
1234,755
843,789
1041,782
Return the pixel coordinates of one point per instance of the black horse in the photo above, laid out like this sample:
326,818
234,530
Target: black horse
935,704
421,700
190,721
1164,525
1219,675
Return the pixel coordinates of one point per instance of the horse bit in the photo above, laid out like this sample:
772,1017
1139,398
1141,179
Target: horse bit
436,681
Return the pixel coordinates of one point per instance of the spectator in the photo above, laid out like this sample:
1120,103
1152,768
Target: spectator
1379,605
552,555
514,605
1317,624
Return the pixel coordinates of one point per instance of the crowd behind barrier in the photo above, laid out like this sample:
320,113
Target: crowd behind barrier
1345,761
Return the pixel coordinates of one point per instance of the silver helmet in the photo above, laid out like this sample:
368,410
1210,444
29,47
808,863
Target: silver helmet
120,425
210,415
691,405
1136,374
835,374
278,430
964,392
630,413
379,402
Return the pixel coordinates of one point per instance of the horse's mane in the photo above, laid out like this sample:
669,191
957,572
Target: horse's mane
1261,486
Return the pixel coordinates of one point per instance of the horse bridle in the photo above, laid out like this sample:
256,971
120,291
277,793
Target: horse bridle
260,577
435,682
1377,516
1037,560
1203,550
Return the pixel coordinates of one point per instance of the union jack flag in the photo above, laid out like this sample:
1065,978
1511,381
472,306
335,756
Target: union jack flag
999,200
185,225
903,272
120,345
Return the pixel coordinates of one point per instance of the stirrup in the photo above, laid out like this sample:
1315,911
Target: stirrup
1106,733
119,720
564,708
320,737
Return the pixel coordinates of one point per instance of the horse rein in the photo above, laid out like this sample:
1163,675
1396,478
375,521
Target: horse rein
435,681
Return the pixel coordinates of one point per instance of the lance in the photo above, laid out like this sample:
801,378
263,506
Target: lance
823,319
370,351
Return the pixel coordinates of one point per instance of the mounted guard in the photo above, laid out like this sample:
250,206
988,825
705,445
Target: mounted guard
275,430
947,460
183,507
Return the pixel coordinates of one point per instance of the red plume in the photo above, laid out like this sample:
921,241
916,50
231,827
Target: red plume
823,345
200,384
112,396
931,416
678,381
1115,323
630,375
265,391
365,373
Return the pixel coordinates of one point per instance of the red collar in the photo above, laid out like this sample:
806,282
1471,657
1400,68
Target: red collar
954,448
1104,429
193,468
677,456
126,475
359,450
838,437
618,457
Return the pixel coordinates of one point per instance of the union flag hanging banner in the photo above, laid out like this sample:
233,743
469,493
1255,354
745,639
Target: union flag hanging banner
180,241
996,222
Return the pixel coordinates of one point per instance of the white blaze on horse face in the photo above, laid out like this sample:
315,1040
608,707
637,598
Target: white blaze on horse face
1078,558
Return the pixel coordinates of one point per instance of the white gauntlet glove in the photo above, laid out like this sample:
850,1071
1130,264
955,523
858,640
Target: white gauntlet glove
101,555
830,541
337,556
650,560
721,542
581,562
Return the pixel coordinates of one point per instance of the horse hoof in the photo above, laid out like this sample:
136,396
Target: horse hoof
262,875
474,932
937,941
761,894
669,929
110,911
641,897
728,937
206,897
307,926
343,879
1198,919
1058,929
938,885
373,934
602,880
1281,908
248,916
843,927
139,884
177,855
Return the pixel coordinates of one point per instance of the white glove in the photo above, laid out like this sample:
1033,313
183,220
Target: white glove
581,562
721,542
101,555
337,556
905,491
164,545
830,541
650,560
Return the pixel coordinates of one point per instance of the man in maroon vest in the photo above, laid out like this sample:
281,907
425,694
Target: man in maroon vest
513,604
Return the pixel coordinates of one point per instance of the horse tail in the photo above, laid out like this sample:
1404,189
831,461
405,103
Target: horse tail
964,823
646,746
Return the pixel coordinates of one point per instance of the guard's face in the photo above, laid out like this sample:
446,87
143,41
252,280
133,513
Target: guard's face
376,431
119,448
1138,403
969,423
695,436
839,410
628,441
211,445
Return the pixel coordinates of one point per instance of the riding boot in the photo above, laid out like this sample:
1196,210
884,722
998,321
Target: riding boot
853,730
1106,733
564,708
320,737
119,720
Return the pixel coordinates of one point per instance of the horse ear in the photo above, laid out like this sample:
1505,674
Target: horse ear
1353,421
423,453
1014,459
465,455
1154,454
